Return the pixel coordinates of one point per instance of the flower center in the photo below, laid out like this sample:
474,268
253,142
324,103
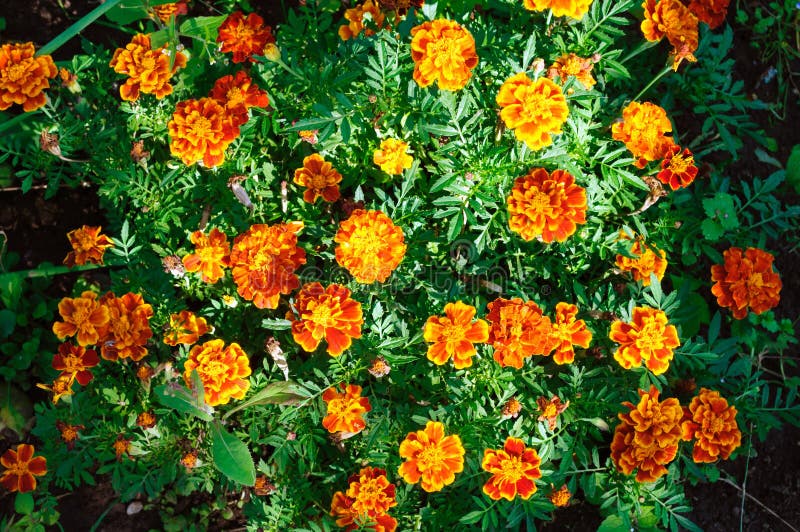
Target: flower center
572,67
81,314
17,72
85,242
69,434
679,164
214,368
72,364
337,406
512,469
550,411
430,457
235,97
539,202
18,468
318,181
321,315
650,337
454,332
200,127
366,243
535,106
262,261
444,51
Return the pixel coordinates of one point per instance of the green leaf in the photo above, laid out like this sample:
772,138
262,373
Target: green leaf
202,26
276,393
793,168
185,400
613,523
231,456
23,503
711,229
8,321
129,10
472,517
276,324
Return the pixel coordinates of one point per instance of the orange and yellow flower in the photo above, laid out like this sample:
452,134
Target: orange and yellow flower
21,468
148,70
560,497
561,8
88,245
711,423
511,408
75,361
671,18
550,410
514,469
211,255
128,327
431,457
185,328
24,76
222,369
535,110
264,260
746,282
573,65
568,332
518,330
443,51
201,130
83,316
712,12
122,447
355,20
370,246
643,129
345,409
646,260
146,420
367,500
166,11
392,157
326,313
237,94
320,179
648,337
678,169
69,433
455,335
62,385
546,206
244,36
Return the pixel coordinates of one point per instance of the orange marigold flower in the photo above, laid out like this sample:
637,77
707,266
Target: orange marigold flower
212,253
511,408
370,246
432,457
345,409
514,470
189,459
201,130
643,130
712,12
223,371
75,360
146,420
518,330
546,206
263,486
561,8
646,260
88,245
185,328
145,372
83,316
24,76
671,18
320,179
166,11
560,497
264,260
746,282
62,385
309,135
245,37
455,335
573,65
128,327
535,110
712,424
22,468
392,156
237,94
148,70
69,80
122,446
379,368
568,332
550,410
647,337
69,433
443,51
346,516
678,169
355,20
371,491
326,313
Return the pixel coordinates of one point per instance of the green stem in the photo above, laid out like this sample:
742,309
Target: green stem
16,120
652,82
78,27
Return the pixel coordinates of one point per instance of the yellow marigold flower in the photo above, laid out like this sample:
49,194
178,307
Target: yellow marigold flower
561,8
535,110
646,338
166,11
24,76
514,469
392,156
573,65
568,332
88,245
643,130
264,260
326,313
455,335
370,246
546,206
431,457
237,94
746,282
148,70
83,316
69,433
185,328
211,255
443,51
21,468
518,330
712,424
222,370
62,385
244,36
671,18
128,327
560,497
646,260
355,20
320,179
712,12
201,130
146,420
550,410
345,409
122,446
678,169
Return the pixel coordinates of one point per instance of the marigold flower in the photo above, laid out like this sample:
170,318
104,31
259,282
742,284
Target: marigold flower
370,246
646,260
189,459
712,12
573,65
355,20
145,372
392,157
535,110
550,410
746,281
309,135
166,11
223,371
320,179
237,95
671,18
432,457
511,408
62,385
712,424
69,80
146,420
371,492
148,70
379,368
568,332
549,206
560,497
83,316
212,254
185,328
518,330
88,245
443,51
245,37
24,76
326,313
346,516
561,8
122,446
455,334
201,130
75,360
22,468
514,469
264,260
345,409
69,433
678,169
643,130
128,327
263,486
647,337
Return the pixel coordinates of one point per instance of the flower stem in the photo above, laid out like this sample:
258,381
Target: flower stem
652,82
76,28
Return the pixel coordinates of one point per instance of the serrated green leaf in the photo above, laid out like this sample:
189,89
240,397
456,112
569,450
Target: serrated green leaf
231,456
185,400
276,393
